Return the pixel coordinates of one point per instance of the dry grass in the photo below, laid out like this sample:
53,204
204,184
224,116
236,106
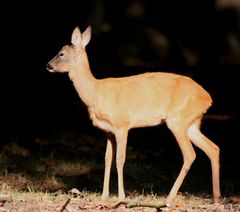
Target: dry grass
76,200
19,192
42,178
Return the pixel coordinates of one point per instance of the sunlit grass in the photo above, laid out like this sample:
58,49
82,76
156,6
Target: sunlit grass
50,171
88,201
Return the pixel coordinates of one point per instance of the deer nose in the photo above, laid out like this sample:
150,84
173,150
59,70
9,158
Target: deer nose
49,67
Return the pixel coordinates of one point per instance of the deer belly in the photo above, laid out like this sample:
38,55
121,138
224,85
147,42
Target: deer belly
147,122
146,118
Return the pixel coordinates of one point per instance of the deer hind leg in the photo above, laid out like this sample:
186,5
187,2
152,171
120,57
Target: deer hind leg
121,140
179,130
110,151
212,151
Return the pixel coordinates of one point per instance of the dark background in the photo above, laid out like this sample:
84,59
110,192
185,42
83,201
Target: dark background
197,38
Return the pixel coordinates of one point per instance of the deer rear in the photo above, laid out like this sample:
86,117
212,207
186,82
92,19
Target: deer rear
117,105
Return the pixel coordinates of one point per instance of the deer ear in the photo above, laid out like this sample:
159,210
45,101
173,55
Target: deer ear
76,37
86,36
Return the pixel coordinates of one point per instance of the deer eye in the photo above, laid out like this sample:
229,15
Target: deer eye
60,54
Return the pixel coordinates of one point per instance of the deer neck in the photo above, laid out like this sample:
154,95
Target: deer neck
83,80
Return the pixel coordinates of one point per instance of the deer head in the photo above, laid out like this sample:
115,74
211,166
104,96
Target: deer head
68,56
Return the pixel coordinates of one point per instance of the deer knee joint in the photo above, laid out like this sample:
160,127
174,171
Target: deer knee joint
120,159
189,160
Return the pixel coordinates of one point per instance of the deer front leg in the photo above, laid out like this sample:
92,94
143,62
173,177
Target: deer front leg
110,151
121,140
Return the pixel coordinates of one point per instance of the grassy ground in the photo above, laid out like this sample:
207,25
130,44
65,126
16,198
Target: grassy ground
41,174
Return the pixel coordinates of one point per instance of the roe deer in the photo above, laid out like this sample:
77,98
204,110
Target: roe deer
116,105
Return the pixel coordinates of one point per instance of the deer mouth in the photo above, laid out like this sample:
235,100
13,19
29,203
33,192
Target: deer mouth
49,68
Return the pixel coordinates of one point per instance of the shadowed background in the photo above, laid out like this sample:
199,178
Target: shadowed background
200,39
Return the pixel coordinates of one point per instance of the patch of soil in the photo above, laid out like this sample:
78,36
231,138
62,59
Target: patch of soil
66,203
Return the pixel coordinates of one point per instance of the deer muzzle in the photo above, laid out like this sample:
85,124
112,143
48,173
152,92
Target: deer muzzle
49,67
